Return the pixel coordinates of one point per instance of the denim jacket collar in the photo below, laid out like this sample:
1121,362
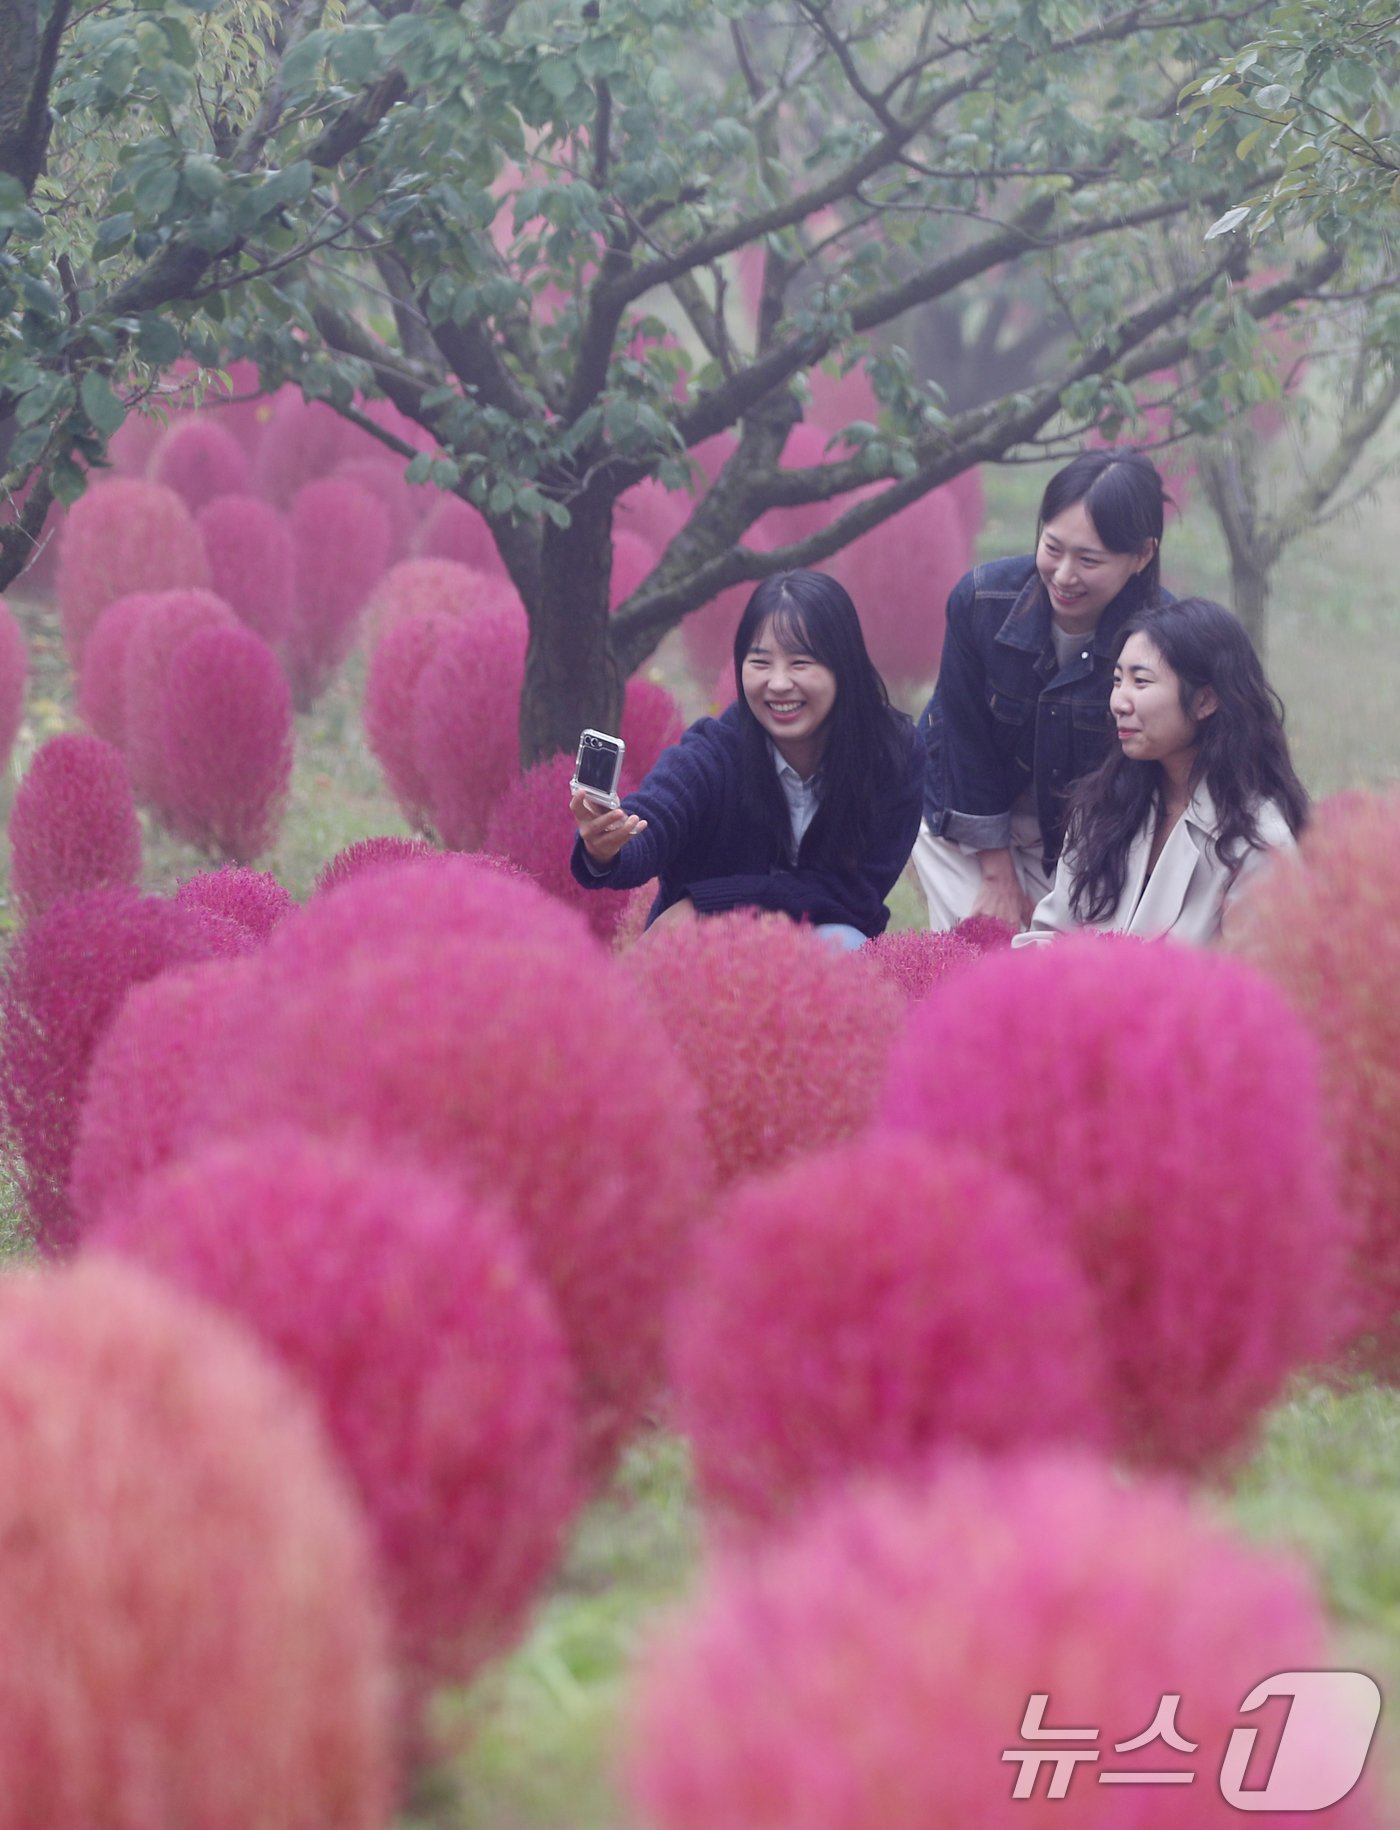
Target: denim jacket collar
1027,627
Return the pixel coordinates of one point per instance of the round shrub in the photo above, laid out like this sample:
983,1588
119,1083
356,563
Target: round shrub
372,854
73,826
249,547
442,587
397,662
915,960
466,719
14,674
433,1353
531,827
155,636
383,478
899,576
453,529
870,1671
786,1036
301,440
1163,1102
64,981
138,1080
200,460
870,1304
340,546
1324,932
254,899
227,712
487,1053
651,723
129,535
194,1636
102,671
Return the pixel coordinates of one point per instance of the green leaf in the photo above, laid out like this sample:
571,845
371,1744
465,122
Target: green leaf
68,480
300,64
100,404
155,189
157,339
112,233
1224,225
1272,95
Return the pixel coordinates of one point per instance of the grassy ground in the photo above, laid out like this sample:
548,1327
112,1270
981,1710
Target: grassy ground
530,1747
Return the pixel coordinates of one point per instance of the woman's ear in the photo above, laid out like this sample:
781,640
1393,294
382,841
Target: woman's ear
1146,556
1204,703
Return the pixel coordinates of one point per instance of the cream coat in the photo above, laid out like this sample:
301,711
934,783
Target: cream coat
1186,896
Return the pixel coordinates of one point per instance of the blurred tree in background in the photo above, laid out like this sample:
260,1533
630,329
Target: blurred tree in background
588,246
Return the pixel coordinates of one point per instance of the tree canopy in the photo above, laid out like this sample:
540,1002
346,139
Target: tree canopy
579,243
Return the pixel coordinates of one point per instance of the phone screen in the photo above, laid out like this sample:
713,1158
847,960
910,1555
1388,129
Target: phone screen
596,767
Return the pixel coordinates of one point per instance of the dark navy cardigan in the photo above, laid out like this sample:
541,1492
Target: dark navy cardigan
700,842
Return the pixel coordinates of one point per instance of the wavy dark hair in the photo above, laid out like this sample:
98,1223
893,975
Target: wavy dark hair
868,741
1123,494
1241,753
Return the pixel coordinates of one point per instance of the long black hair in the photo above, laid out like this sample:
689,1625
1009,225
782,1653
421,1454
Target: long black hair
1241,753
868,741
1123,495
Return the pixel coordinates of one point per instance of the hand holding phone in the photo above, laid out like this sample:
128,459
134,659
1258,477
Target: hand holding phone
598,768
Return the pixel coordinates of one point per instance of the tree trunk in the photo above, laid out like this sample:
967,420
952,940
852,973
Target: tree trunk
1249,588
572,679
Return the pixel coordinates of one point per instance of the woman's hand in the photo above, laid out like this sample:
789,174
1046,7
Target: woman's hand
1001,895
605,830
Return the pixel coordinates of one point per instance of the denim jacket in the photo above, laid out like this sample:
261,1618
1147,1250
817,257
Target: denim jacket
1005,716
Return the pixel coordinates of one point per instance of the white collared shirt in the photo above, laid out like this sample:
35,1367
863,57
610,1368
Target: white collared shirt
802,797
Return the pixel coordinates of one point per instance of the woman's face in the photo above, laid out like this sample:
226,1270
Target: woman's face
1153,725
1080,574
791,695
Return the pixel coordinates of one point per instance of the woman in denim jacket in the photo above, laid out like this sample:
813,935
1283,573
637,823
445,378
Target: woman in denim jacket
1020,711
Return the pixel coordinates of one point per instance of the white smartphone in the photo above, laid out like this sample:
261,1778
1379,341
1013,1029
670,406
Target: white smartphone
598,768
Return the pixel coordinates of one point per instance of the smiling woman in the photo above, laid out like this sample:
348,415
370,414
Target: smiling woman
803,797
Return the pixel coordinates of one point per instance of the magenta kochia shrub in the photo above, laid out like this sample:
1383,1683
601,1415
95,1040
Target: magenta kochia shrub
139,1077
651,723
253,898
125,535
340,546
102,670
1323,930
532,827
916,960
1163,1102
466,723
156,634
249,546
867,1306
200,459
417,587
227,711
869,1671
786,1036
73,825
188,1596
63,983
397,661
372,854
483,1051
14,673
432,1350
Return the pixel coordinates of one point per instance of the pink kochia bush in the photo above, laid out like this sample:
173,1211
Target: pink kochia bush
102,671
466,719
227,712
532,827
372,854
200,460
1163,1102
870,1671
157,633
187,1598
138,1081
1324,930
434,1355
340,546
480,1042
867,1305
249,547
651,723
14,672
74,825
63,983
124,536
253,898
396,664
786,1036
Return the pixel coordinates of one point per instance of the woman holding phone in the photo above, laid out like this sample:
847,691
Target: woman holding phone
804,796
1197,793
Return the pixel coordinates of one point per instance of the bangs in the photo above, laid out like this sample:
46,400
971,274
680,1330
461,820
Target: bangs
789,629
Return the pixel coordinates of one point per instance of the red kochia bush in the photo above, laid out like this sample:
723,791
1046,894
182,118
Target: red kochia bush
867,1305
340,546
139,1079
651,723
200,460
126,536
255,899
786,1035
870,1671
14,672
227,712
102,671
433,1353
532,827
916,960
187,1598
74,825
64,981
1163,1102
249,546
372,854
396,664
419,587
168,620
1324,930
485,1055
466,719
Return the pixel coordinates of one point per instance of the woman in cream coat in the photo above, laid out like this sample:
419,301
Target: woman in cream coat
1198,794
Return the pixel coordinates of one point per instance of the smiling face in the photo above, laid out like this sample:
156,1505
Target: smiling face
1153,724
791,695
1080,574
